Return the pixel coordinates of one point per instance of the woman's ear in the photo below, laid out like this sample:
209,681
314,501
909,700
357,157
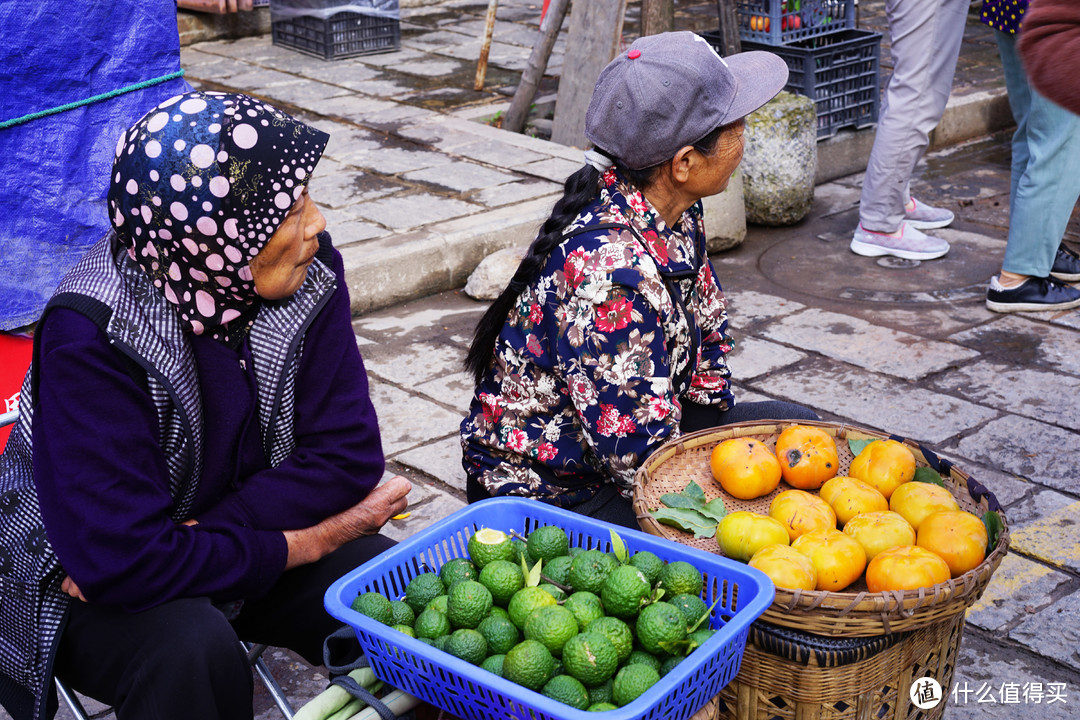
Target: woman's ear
684,163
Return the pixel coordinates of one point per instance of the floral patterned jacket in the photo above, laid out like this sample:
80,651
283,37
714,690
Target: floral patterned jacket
591,368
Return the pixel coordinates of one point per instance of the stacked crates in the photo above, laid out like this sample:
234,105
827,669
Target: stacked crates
335,29
829,60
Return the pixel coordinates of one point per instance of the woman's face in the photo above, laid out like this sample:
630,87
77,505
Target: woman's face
721,164
281,266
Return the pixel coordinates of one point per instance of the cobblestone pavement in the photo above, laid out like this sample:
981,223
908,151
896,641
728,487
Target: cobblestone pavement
413,180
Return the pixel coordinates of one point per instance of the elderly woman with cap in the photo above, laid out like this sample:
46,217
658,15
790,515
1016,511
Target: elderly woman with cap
196,457
612,336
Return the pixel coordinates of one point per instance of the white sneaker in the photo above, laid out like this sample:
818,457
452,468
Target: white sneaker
926,217
912,244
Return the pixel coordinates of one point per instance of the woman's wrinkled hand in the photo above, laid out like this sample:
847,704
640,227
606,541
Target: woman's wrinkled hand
69,586
365,518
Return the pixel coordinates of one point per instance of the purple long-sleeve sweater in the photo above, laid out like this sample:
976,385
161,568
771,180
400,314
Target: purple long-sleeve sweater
103,483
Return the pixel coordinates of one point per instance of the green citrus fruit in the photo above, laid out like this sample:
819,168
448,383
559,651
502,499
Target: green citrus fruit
556,592
375,605
494,664
658,624
431,624
602,707
681,577
525,601
589,570
467,644
586,607
407,629
566,690
458,569
641,657
590,657
503,578
649,564
422,589
528,663
669,664
552,626
439,603
401,613
500,633
691,606
497,611
488,544
631,682
624,591
618,632
600,693
468,603
557,570
702,634
547,542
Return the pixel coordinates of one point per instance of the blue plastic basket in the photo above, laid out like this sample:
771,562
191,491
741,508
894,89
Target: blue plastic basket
468,691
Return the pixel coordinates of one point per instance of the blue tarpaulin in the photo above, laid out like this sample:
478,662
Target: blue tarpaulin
55,167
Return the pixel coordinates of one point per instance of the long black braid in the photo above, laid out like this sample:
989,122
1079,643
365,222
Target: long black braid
579,190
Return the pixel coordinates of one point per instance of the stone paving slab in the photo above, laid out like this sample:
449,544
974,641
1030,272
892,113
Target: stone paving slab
1052,534
1020,587
859,343
1027,338
1046,454
1054,632
876,402
1042,395
413,421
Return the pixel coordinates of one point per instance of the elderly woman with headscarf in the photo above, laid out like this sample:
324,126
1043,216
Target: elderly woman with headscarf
196,457
612,336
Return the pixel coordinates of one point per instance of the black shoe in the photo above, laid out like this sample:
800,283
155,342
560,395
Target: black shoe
1066,265
1033,295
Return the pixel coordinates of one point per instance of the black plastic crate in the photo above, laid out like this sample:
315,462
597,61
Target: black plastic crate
780,22
839,72
341,35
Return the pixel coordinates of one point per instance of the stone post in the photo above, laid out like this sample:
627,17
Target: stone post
780,160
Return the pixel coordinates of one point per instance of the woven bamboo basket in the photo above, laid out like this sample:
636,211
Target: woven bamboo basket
789,675
855,612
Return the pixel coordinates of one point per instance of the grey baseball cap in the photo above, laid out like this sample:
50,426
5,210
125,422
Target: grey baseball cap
670,90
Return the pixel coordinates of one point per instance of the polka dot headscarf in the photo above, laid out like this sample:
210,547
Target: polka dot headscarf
199,185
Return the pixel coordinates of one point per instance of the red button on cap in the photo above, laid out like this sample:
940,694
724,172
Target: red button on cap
634,54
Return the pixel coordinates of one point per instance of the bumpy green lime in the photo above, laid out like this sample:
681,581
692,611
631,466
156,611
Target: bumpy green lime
487,545
557,570
458,569
602,707
528,663
503,578
624,591
467,644
375,605
556,592
552,626
525,601
586,607
497,611
631,682
589,570
681,577
407,629
500,633
649,564
640,657
438,603
691,606
468,603
401,613
669,664
590,657
494,664
431,624
566,690
618,632
547,542
702,634
422,589
600,693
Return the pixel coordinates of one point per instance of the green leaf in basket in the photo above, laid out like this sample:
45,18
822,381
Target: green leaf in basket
692,497
690,521
703,618
994,526
532,576
619,548
715,509
928,475
856,446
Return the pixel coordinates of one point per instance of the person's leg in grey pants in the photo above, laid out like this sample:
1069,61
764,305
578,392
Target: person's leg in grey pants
926,36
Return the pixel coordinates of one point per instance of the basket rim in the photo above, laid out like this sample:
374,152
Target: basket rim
838,613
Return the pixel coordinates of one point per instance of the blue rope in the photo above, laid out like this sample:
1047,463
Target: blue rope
96,98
